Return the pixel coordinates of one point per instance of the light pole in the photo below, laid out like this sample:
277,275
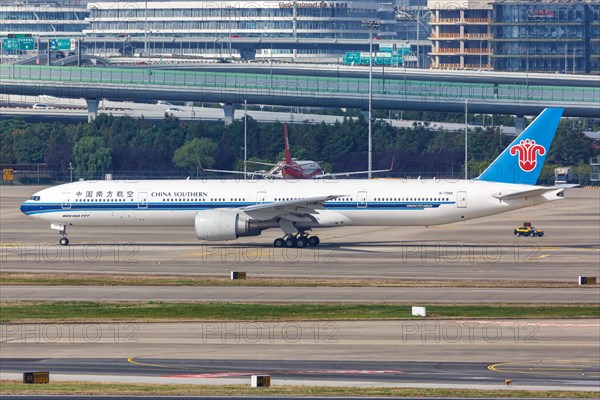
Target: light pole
245,136
466,138
418,41
146,30
371,24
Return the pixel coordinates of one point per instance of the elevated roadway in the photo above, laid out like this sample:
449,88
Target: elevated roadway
231,88
386,72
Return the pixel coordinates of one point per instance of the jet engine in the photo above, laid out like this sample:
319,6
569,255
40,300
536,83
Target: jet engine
216,225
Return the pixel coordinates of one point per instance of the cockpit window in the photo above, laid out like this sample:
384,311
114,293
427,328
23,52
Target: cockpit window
35,198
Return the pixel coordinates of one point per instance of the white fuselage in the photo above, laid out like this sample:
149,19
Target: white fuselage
375,202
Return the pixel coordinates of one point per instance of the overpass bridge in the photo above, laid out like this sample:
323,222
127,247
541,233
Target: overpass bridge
282,89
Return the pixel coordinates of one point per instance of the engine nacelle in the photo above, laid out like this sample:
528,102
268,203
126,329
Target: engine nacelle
214,225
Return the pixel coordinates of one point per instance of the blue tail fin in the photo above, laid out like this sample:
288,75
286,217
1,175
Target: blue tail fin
522,161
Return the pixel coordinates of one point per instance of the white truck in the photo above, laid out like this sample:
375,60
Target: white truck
563,175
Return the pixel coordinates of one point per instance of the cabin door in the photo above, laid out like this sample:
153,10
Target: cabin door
65,203
143,200
260,197
361,200
461,199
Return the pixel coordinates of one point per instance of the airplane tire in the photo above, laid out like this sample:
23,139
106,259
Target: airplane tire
63,241
278,242
301,242
314,240
290,242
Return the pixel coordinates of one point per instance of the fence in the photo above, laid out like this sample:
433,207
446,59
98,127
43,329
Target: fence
302,85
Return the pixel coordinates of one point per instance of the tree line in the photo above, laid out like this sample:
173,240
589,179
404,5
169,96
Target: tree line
135,147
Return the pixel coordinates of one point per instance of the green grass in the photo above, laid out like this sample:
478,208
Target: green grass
90,388
158,311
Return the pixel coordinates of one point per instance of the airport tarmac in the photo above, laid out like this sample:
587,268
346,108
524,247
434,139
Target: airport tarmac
481,249
447,353
450,352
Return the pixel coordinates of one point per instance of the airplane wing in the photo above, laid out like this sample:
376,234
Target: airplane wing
251,173
340,174
262,163
522,194
296,209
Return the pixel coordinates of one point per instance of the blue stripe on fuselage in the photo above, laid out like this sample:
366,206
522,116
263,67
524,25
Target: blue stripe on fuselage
42,208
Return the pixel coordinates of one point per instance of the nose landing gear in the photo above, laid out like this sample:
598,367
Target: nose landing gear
62,230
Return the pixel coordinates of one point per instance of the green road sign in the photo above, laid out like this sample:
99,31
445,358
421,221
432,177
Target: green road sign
60,44
10,44
26,43
16,44
352,57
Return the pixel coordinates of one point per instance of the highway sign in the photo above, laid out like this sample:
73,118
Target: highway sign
26,43
60,44
21,43
10,44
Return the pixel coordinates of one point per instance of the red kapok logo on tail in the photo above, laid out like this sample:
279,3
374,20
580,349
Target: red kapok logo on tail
528,151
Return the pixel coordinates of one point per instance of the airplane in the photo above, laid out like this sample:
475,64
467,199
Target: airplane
293,169
228,209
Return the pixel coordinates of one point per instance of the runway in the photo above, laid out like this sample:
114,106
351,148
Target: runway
532,352
464,373
302,294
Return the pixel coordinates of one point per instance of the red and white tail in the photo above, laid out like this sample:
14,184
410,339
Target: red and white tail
288,156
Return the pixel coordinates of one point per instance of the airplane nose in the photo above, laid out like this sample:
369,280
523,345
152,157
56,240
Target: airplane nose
25,208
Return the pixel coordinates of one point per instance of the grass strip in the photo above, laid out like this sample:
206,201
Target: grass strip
10,278
91,388
160,311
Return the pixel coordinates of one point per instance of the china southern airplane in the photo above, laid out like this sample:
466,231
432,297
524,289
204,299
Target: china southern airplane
229,209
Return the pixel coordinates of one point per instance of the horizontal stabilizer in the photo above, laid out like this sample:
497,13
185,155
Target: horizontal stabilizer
523,194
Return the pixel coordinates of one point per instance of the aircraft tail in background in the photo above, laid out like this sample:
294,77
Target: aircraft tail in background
288,155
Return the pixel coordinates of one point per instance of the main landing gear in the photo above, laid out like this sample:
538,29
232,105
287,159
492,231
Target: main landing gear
299,241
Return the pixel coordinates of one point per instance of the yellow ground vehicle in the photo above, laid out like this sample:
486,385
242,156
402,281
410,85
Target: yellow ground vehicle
528,230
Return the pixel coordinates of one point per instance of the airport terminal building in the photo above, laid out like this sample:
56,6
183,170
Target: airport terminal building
43,18
273,19
230,20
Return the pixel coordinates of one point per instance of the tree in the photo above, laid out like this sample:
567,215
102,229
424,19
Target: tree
194,152
59,153
92,156
570,146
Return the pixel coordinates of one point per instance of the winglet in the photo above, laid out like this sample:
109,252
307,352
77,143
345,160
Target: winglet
522,161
